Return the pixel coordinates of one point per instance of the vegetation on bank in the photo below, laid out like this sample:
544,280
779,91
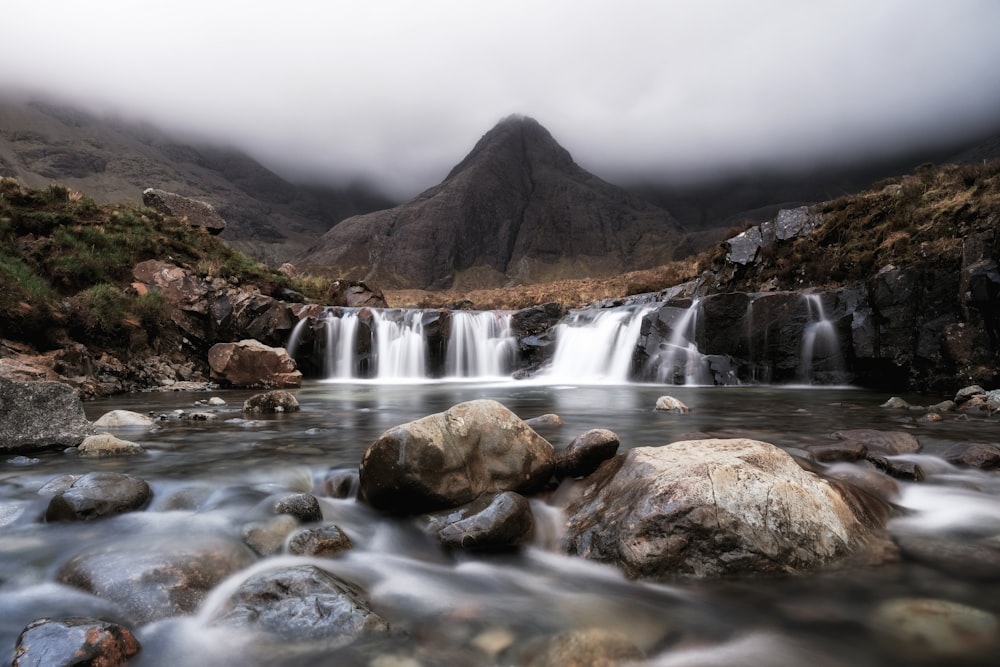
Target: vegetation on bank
66,267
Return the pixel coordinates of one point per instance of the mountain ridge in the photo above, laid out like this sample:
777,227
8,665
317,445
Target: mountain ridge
516,209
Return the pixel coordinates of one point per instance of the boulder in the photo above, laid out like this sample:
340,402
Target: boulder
274,401
198,213
703,508
40,415
888,442
98,494
250,363
301,603
500,521
74,640
354,294
975,455
929,630
123,419
105,444
547,421
303,506
451,458
324,541
586,452
153,579
671,404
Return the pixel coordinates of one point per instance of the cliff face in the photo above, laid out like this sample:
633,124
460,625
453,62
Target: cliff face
516,210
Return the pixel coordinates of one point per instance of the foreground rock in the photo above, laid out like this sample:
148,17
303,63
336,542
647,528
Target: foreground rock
250,363
714,507
451,458
302,603
498,522
586,452
76,641
98,494
159,578
40,415
105,444
271,402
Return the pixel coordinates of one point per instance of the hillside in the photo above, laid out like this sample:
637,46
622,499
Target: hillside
516,210
113,161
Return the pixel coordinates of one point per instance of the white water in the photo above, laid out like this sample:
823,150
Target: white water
681,358
399,345
819,340
481,345
594,347
341,336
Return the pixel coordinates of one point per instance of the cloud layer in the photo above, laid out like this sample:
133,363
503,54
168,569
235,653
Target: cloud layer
396,92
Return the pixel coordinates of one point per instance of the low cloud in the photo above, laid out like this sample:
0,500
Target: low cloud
396,92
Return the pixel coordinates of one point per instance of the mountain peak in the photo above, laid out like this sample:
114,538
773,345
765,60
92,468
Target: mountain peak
516,139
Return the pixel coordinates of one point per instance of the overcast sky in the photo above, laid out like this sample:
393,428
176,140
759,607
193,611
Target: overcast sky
397,92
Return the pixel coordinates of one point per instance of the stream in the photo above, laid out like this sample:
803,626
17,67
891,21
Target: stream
448,608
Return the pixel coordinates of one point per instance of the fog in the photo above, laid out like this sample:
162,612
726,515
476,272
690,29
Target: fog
396,92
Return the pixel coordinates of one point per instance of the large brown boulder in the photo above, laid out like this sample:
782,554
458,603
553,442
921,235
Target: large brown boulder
198,213
714,507
250,363
451,458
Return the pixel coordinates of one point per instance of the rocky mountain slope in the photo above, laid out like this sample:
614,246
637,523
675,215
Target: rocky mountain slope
516,210
114,161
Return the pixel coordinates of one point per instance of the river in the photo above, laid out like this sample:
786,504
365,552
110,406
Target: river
491,609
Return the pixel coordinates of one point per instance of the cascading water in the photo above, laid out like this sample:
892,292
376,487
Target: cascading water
820,345
341,338
597,346
481,345
400,349
681,359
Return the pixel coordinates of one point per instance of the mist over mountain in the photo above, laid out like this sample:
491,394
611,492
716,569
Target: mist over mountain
114,161
517,209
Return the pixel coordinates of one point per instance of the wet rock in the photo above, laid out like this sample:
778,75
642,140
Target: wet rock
886,442
105,444
714,507
341,484
588,647
847,450
974,455
965,393
898,468
586,452
76,641
216,401
323,541
302,603
978,559
491,522
303,506
123,419
197,213
671,404
268,537
943,406
451,458
544,421
152,579
40,415
98,494
274,401
870,481
927,629
742,249
250,363
896,403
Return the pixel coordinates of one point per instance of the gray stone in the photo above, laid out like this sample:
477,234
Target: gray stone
302,603
498,522
122,419
671,404
742,248
40,415
888,442
707,508
96,495
76,641
274,401
323,541
303,506
586,452
198,213
451,458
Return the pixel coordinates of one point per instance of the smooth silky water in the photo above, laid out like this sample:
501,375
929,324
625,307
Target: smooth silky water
469,608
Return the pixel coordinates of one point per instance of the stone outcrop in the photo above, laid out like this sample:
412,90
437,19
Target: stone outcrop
250,363
705,508
198,213
517,209
451,458
40,415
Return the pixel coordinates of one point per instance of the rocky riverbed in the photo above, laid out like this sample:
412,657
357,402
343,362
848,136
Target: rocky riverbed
504,524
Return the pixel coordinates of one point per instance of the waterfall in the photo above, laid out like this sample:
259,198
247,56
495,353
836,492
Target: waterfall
819,342
597,346
341,339
293,340
681,358
480,345
398,342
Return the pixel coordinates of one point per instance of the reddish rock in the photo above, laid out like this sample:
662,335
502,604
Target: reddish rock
250,363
